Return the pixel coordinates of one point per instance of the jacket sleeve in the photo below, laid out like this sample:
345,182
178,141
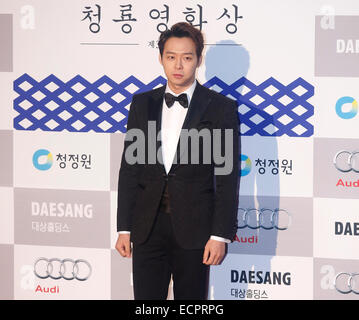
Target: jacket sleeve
128,178
224,220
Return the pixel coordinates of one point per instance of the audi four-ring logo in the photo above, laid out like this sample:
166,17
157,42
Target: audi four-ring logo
350,285
350,161
67,269
264,218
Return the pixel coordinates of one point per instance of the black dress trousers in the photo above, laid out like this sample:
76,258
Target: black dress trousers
160,256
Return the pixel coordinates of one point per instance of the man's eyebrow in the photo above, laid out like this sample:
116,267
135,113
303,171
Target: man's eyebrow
170,52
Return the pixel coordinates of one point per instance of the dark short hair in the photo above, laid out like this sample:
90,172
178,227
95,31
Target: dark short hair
181,30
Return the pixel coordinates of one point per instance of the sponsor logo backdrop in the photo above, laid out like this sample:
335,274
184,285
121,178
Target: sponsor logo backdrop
67,77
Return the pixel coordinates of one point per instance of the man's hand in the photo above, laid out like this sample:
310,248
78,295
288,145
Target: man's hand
123,245
214,252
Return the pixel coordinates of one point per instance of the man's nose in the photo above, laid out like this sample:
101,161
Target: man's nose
178,63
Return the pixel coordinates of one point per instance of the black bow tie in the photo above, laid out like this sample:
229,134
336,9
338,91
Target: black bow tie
182,99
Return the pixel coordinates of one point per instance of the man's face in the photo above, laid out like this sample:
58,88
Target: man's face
179,61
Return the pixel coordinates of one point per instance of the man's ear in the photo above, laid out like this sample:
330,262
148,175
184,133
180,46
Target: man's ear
199,61
160,58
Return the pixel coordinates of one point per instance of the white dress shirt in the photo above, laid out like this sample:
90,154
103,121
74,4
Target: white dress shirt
172,122
171,125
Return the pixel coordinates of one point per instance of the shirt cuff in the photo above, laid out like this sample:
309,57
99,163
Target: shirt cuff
124,232
220,239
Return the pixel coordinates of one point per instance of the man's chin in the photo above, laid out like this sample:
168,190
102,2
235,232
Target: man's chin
180,82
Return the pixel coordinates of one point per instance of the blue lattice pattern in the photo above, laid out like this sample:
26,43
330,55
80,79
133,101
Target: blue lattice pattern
268,109
271,108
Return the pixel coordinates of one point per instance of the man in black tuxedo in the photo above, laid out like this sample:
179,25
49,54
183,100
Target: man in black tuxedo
178,214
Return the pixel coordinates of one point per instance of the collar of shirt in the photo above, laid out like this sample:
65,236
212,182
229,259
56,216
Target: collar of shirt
189,91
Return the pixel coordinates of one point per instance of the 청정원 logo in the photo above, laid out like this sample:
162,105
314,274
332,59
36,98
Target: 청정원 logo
346,114
39,156
248,165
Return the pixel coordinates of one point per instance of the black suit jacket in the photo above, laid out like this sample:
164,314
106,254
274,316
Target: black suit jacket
202,204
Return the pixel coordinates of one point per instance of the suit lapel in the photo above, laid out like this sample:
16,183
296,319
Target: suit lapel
155,114
199,102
